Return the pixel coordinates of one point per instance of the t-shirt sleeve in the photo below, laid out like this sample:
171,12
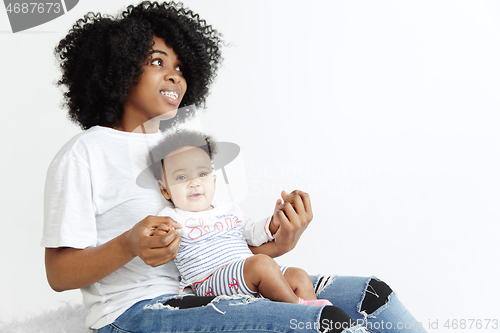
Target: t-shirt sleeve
69,213
257,233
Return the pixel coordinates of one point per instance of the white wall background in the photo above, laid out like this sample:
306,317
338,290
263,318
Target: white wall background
385,112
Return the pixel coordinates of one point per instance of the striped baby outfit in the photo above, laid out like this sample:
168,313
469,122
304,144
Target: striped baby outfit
214,238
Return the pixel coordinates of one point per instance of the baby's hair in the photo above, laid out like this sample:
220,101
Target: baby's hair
184,138
102,56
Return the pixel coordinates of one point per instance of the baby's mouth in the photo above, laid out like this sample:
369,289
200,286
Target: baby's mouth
195,195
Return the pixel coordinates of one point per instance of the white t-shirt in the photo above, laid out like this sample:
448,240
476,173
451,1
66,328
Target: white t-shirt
213,238
91,197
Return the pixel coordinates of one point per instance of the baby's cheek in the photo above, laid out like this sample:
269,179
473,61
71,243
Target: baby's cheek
177,197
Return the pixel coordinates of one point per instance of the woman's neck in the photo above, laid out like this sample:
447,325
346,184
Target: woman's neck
149,127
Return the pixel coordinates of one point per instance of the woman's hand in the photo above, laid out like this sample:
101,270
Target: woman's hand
155,240
69,268
291,217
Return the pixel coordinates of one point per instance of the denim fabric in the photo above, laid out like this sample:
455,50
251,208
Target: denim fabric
245,313
348,292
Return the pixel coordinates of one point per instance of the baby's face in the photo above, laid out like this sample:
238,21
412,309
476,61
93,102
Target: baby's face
190,182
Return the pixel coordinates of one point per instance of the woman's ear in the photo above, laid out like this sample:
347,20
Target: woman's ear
164,189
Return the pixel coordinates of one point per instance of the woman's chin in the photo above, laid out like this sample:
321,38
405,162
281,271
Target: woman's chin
167,115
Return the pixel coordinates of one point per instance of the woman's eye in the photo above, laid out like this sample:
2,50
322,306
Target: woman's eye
157,62
178,68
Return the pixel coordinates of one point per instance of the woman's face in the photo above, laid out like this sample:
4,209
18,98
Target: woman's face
158,92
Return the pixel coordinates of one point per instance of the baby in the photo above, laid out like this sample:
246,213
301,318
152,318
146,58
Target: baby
214,257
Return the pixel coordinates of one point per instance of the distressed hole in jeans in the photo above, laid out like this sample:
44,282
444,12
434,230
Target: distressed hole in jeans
323,281
334,320
189,302
377,294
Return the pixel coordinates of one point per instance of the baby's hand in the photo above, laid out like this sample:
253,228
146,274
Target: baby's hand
158,249
162,230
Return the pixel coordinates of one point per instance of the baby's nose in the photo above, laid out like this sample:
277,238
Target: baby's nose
194,183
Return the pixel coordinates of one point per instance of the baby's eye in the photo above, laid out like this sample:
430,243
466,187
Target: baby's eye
203,174
181,178
157,62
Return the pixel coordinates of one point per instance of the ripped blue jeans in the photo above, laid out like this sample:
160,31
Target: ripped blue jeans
369,302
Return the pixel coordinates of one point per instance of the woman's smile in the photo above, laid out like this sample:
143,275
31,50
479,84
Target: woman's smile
172,95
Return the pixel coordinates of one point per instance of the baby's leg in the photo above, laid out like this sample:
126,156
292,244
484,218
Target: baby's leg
262,274
300,282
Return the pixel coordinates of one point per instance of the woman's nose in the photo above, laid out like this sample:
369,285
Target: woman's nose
173,76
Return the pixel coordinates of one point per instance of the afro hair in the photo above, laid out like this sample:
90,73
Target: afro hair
102,56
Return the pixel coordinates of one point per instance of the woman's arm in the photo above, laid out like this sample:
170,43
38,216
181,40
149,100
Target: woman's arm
69,268
268,248
290,219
